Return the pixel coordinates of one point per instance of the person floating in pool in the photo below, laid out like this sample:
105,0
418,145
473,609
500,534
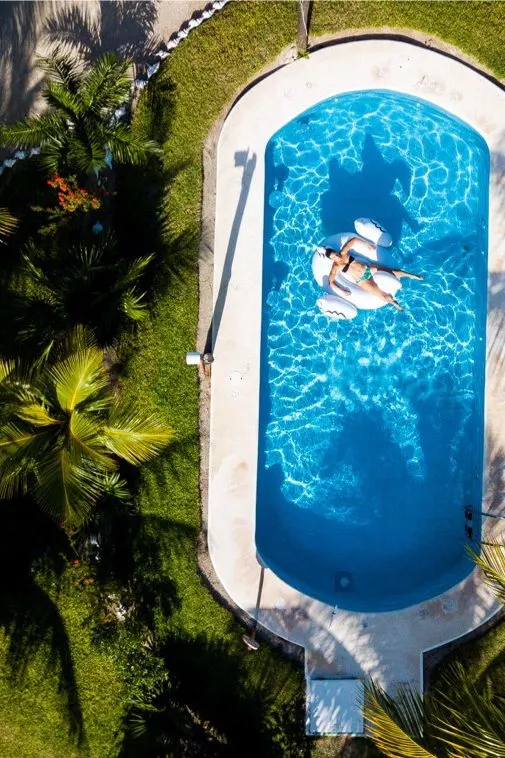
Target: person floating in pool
361,273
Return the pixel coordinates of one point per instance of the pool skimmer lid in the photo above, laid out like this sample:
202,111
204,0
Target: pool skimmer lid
235,378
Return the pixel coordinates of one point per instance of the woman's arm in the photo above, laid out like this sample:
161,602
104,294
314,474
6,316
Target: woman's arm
336,286
350,244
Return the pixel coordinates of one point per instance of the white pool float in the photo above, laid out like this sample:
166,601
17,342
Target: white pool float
340,307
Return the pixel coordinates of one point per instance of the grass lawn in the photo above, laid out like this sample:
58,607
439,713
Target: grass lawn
253,702
60,694
483,659
476,28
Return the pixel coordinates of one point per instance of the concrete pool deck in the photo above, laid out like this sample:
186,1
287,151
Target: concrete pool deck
339,644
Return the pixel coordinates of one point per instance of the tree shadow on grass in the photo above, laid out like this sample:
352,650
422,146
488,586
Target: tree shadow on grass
29,617
32,622
141,221
182,452
246,707
134,552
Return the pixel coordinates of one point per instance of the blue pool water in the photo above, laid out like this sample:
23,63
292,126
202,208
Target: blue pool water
371,430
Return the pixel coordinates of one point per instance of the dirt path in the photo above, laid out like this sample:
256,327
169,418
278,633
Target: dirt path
133,28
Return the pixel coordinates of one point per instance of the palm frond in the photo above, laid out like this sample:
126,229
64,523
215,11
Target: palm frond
8,223
135,437
491,562
468,720
132,305
398,727
37,414
87,441
114,486
14,477
106,85
137,724
86,154
88,257
60,98
128,148
66,490
80,338
78,377
13,437
33,131
31,269
136,268
53,157
38,322
6,368
19,451
46,352
61,67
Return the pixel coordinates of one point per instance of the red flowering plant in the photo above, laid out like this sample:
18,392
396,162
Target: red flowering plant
73,203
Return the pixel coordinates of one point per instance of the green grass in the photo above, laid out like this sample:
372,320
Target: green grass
53,704
169,491
253,700
483,658
476,28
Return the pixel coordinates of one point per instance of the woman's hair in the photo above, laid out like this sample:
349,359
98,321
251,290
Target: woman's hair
328,251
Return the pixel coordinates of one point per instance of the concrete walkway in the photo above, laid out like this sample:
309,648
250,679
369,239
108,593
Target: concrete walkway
133,28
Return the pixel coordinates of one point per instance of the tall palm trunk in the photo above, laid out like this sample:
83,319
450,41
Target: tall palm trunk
304,12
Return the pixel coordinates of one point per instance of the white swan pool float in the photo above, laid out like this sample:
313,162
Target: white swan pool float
340,307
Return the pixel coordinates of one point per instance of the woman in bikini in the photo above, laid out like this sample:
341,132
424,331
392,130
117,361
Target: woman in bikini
361,273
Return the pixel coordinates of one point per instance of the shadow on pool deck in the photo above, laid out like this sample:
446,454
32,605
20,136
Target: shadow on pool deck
247,163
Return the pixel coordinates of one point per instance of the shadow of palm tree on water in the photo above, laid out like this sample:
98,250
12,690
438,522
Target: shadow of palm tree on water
371,192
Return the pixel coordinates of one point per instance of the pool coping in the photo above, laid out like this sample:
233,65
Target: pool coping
355,648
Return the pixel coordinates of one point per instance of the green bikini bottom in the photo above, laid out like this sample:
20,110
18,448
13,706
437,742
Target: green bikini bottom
367,274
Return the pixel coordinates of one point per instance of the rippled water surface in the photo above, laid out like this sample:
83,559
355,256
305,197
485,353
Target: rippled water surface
371,430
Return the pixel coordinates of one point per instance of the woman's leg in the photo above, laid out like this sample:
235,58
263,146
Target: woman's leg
370,286
398,272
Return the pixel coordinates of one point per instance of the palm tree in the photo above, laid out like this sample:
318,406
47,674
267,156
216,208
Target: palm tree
399,727
457,719
491,561
63,432
470,721
8,224
168,727
91,284
79,131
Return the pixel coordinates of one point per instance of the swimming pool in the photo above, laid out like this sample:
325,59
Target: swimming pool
371,430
